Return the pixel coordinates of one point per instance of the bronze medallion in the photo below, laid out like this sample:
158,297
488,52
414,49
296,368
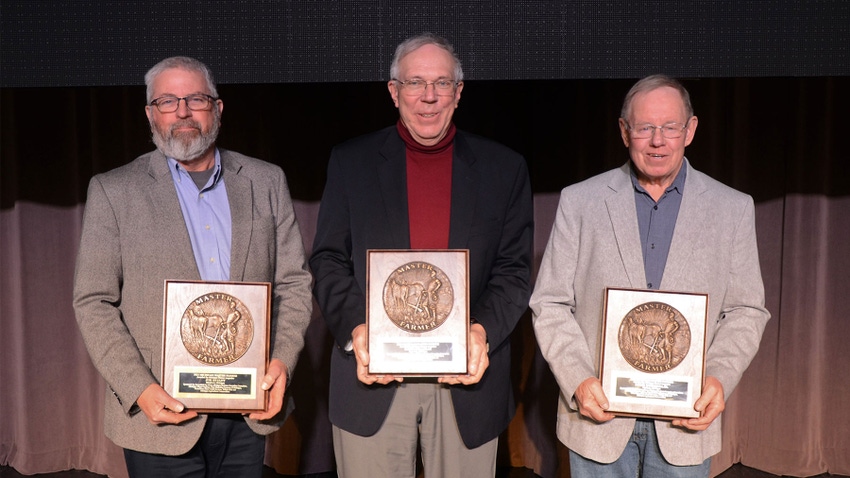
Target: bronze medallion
418,297
654,337
217,328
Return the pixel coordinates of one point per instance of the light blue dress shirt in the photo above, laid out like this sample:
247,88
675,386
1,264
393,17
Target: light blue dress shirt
207,215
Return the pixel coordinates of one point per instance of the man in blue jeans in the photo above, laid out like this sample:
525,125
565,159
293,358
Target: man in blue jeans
653,223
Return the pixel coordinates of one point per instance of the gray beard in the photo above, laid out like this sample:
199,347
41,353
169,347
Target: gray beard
183,148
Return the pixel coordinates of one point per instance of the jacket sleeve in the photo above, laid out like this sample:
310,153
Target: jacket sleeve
97,298
562,341
508,280
743,316
293,303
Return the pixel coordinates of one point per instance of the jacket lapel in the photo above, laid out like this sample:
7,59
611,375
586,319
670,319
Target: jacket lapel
170,222
240,198
621,211
690,233
394,190
465,183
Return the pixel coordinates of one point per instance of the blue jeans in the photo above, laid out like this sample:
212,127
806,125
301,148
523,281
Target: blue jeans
641,458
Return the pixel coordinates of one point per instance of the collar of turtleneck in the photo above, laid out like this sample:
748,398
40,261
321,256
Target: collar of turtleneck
438,148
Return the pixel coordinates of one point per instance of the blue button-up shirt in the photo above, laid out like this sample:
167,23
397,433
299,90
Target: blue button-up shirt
207,215
656,222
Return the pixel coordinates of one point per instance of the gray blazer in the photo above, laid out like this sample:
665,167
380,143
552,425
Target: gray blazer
594,244
134,238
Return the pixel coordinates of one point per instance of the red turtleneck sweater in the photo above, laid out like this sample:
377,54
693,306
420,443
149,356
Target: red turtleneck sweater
429,190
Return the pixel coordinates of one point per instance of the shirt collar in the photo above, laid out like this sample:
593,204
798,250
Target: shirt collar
678,183
175,165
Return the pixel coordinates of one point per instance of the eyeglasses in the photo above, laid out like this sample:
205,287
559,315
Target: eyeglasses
417,86
670,130
169,104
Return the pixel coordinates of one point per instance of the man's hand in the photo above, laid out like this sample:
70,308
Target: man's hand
275,382
478,358
710,405
591,400
161,408
361,353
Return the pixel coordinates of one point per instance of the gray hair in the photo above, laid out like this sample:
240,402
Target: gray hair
183,63
414,43
653,82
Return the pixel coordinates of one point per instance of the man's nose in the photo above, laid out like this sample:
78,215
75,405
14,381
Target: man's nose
183,110
657,138
430,92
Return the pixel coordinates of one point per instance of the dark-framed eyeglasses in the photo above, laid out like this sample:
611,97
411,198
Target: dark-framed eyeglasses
671,130
417,86
169,103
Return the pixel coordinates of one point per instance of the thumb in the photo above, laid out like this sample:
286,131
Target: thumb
363,355
173,406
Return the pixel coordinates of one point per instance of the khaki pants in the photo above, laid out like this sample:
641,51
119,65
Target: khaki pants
421,414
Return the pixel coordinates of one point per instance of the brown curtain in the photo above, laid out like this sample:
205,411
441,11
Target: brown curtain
774,138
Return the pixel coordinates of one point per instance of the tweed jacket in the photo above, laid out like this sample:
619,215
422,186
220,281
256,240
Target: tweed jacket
364,206
595,244
134,238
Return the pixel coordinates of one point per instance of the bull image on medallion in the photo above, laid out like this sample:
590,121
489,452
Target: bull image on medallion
216,328
654,337
418,297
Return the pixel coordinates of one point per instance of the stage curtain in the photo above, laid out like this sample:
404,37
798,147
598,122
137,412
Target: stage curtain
778,139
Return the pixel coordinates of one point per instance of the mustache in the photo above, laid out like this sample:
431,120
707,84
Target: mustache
183,124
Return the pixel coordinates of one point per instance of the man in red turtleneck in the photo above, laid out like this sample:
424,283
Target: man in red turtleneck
423,184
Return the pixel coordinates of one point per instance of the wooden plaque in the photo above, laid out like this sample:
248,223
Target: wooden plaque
417,312
653,352
216,344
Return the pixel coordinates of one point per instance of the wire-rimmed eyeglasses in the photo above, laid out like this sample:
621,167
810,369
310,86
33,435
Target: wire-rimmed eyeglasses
417,86
671,130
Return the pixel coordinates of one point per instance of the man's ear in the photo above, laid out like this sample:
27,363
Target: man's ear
624,132
393,87
691,131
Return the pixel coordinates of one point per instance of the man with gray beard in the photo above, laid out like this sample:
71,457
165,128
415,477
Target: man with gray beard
187,211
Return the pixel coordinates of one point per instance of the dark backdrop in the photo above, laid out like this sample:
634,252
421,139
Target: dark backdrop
766,136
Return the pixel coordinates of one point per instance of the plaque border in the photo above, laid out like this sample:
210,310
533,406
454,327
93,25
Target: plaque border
252,363
613,366
383,259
